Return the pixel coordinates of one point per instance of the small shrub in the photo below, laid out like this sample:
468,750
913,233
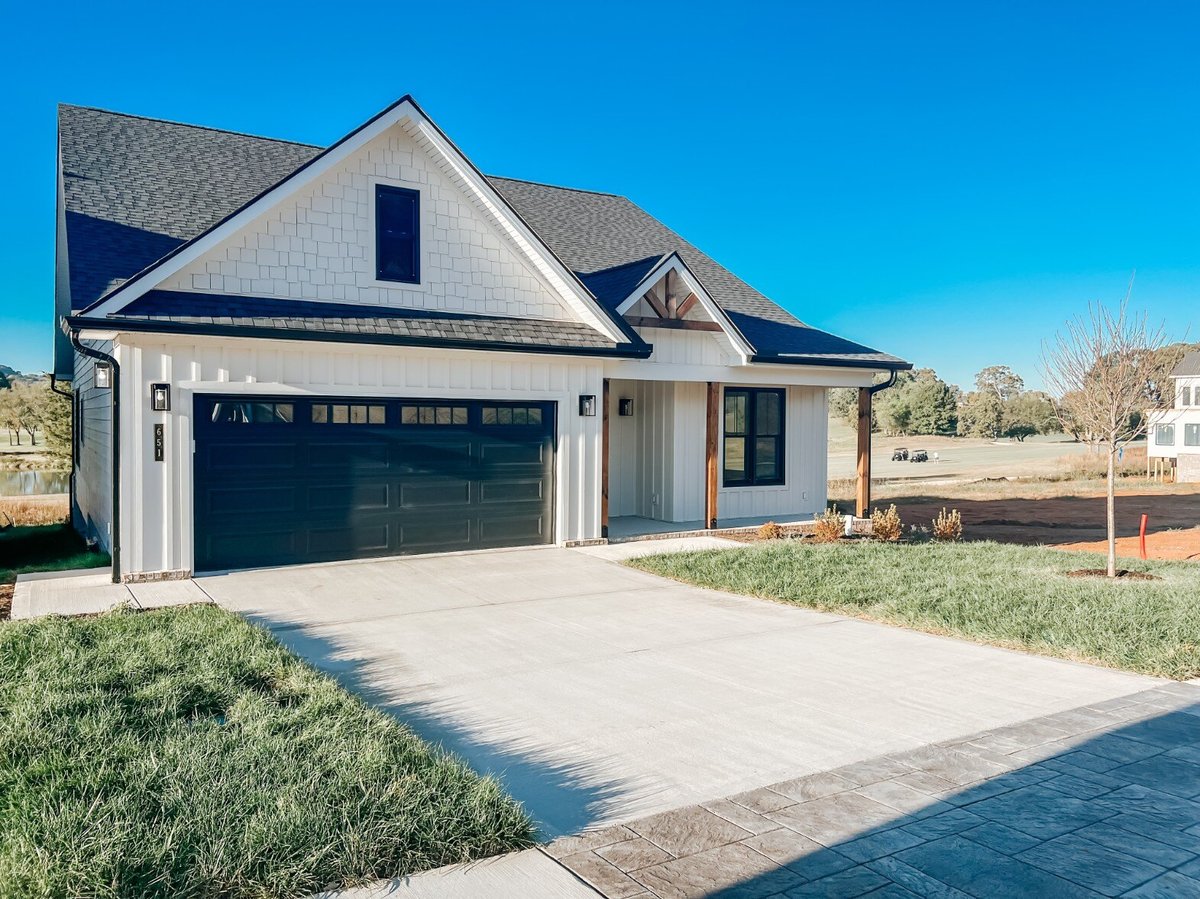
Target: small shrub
886,525
948,527
770,531
829,527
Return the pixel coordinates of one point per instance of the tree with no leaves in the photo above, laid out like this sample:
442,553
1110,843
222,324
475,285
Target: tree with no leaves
1106,367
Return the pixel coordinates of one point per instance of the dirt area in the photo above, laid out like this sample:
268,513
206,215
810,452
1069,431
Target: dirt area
1180,545
1047,490
1073,521
6,598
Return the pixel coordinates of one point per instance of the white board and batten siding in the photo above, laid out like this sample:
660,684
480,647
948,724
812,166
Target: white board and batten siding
657,455
157,531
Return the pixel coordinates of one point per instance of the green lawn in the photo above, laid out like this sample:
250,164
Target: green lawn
45,547
1013,596
184,753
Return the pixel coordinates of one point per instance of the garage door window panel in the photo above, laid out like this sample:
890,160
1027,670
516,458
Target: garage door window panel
349,413
434,415
229,413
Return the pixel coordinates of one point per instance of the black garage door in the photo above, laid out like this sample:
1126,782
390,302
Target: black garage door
283,480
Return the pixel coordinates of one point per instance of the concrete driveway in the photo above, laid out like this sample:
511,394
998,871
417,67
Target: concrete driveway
600,694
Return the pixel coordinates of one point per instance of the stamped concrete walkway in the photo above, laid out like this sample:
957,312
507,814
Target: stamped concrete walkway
1102,800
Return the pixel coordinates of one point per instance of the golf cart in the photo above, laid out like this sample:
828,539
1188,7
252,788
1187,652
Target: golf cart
899,454
918,456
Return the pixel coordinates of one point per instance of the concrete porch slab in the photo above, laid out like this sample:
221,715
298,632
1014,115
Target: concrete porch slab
631,527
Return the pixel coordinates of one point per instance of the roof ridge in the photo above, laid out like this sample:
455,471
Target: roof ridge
161,121
578,190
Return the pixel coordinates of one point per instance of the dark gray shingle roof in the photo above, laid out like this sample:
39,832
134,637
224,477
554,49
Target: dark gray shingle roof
1188,367
188,310
136,188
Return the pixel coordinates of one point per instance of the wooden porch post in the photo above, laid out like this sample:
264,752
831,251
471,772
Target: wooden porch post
712,428
864,452
604,452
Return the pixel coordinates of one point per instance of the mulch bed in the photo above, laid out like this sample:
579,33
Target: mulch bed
1123,573
6,597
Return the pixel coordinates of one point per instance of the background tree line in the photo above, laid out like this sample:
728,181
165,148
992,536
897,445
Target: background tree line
922,403
31,412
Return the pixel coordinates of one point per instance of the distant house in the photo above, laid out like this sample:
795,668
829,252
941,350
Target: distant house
284,353
1175,433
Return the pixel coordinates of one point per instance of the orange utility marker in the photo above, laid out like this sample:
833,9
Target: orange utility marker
1142,532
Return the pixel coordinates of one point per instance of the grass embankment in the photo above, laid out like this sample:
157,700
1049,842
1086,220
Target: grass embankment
185,753
1013,596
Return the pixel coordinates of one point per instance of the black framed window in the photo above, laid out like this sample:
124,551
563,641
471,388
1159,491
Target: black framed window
397,234
753,450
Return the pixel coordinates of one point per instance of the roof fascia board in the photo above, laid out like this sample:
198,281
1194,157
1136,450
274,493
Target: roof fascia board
800,359
674,262
87,323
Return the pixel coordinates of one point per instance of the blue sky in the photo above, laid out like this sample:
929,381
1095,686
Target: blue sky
945,181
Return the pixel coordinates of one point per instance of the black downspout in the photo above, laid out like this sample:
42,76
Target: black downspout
69,394
890,382
116,448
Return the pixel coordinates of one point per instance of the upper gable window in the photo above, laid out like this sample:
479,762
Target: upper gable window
397,234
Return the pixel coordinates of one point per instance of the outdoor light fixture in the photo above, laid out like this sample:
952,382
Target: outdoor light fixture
102,376
625,406
587,404
160,397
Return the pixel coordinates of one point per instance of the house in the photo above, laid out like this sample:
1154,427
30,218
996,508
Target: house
283,353
1174,433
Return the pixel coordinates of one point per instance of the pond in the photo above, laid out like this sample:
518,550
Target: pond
30,483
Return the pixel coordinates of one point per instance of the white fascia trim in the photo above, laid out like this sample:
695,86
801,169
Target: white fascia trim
562,279
673,262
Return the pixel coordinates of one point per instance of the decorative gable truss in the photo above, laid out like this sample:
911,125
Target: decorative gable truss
671,297
310,237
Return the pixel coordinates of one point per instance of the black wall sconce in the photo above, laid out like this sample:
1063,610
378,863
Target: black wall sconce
160,397
624,406
102,376
587,404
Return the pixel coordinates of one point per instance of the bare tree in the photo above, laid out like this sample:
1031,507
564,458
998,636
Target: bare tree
1106,369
